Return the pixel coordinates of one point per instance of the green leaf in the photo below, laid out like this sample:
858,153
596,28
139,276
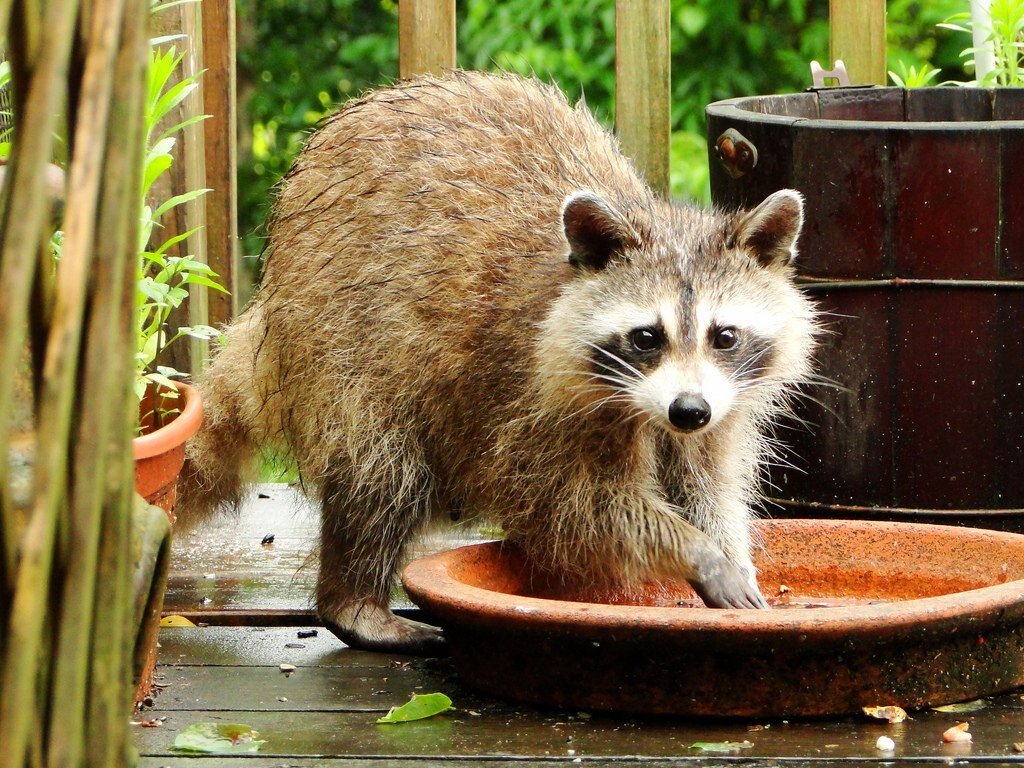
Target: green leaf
184,124
200,280
154,291
150,347
140,387
169,372
174,95
156,7
165,39
155,167
159,378
199,331
177,200
172,241
218,738
721,746
420,706
963,706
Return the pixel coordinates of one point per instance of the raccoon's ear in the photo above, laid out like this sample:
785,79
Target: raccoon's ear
770,230
595,230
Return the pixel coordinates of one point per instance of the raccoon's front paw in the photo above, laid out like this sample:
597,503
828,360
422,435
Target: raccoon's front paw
722,584
372,627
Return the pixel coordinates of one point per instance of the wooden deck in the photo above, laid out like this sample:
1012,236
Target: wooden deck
324,712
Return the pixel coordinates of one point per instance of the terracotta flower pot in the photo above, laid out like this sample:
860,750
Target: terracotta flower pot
160,454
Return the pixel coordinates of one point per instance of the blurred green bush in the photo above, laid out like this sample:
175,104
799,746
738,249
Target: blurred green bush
298,59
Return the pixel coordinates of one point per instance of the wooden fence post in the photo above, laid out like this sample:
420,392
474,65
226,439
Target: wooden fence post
188,172
221,157
191,174
642,86
857,30
426,37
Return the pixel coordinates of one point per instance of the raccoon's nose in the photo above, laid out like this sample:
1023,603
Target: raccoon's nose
689,412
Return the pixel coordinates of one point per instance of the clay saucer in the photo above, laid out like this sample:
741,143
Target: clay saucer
866,614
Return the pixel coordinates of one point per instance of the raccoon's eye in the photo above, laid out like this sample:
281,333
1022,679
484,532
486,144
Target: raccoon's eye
644,339
726,338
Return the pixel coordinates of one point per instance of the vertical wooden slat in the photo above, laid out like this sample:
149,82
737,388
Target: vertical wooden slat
642,86
857,30
187,173
426,37
192,175
220,132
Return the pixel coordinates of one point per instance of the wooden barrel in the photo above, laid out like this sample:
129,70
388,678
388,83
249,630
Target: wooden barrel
914,248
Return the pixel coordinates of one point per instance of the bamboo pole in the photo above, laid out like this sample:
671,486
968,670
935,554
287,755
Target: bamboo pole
23,207
643,85
75,625
23,215
110,678
857,29
426,37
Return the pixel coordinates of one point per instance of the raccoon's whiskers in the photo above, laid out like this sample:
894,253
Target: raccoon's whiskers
618,360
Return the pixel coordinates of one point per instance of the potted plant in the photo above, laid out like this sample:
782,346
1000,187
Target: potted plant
170,410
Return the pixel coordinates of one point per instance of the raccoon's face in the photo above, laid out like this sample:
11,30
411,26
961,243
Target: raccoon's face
681,333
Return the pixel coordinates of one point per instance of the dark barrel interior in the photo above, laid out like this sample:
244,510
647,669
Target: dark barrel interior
914,248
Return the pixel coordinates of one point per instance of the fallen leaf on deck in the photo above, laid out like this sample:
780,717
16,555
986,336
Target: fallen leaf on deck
957,733
891,713
175,621
218,738
721,746
420,706
963,706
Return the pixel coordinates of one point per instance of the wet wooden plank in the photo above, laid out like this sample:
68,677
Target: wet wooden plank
259,646
349,688
200,761
947,215
939,104
223,566
848,174
862,104
526,734
357,762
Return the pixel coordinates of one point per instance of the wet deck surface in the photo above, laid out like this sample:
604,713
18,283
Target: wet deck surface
324,712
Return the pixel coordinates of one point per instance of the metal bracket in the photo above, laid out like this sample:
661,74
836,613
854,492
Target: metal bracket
837,73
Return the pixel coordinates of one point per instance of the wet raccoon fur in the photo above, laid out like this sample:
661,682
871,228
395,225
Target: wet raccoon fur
471,303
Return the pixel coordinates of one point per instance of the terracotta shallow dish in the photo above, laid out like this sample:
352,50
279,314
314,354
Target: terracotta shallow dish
867,613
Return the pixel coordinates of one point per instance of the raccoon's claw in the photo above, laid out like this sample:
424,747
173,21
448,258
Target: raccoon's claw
721,584
370,627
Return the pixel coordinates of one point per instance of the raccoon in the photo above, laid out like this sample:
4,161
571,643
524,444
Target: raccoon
473,305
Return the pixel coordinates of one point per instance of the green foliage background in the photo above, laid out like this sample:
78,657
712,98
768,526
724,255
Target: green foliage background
299,59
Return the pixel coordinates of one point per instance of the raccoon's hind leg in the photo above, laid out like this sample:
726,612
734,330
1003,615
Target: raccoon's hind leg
363,535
